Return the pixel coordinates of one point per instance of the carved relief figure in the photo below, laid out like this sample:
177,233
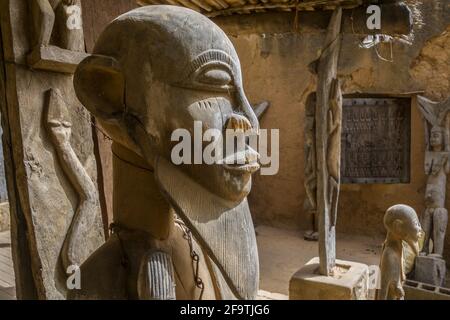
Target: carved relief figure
177,67
437,167
402,224
57,22
333,156
76,247
327,142
334,122
310,203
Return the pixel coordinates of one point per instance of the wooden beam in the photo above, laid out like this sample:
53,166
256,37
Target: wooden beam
327,77
396,17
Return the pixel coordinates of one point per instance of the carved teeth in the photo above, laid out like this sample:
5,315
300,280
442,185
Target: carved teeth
237,122
240,124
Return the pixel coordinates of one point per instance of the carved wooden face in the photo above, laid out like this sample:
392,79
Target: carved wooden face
436,138
210,93
197,77
408,228
412,232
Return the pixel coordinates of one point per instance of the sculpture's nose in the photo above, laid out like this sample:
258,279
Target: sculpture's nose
241,126
247,109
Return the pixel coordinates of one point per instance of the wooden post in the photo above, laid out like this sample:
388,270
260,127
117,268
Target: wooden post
327,70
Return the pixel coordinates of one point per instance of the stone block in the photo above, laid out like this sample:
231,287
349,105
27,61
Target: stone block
422,291
349,282
430,269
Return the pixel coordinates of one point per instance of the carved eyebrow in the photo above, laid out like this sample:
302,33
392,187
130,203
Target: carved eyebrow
208,57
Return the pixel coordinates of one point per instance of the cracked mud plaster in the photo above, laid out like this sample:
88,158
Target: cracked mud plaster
431,68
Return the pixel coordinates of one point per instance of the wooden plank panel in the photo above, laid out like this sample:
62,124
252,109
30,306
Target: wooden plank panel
7,278
327,73
7,267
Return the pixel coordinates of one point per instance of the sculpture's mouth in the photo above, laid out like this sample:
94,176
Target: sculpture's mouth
250,167
243,161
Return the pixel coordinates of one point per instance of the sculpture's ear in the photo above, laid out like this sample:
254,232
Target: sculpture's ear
397,226
100,86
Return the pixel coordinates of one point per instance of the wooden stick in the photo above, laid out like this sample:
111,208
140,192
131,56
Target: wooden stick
327,73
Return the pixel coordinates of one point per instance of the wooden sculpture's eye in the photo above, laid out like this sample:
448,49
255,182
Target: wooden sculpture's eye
215,77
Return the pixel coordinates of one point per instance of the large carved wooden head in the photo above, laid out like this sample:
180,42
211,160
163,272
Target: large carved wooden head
157,69
160,68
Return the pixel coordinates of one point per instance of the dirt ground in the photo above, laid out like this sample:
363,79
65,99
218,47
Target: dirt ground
283,252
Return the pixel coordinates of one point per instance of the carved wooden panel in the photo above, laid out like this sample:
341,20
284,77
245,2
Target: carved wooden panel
376,140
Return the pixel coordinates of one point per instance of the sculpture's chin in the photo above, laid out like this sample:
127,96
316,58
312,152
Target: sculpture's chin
238,192
234,186
232,189
414,244
230,185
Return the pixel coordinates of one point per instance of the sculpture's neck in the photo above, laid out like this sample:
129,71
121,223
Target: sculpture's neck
394,242
137,202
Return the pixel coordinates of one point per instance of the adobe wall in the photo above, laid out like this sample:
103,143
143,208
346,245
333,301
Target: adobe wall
275,61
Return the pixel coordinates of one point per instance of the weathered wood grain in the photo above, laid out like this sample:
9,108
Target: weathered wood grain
327,72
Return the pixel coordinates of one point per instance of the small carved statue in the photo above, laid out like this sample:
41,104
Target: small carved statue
437,167
180,231
436,216
57,22
402,224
